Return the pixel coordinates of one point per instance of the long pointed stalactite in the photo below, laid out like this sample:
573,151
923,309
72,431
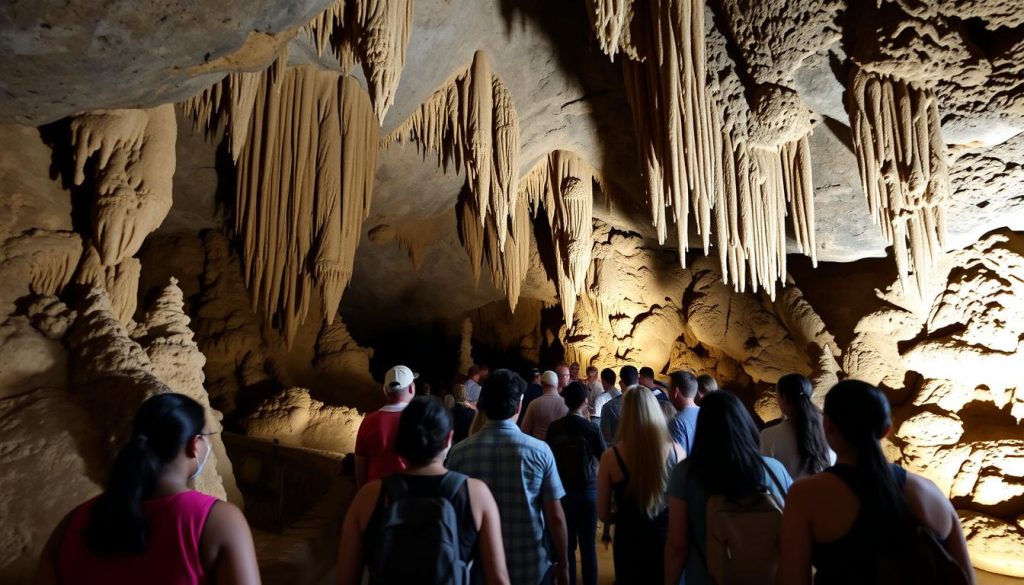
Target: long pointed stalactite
376,32
897,137
695,157
304,187
563,185
472,122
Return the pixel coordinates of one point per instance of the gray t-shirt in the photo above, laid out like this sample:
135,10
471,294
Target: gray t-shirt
680,486
779,441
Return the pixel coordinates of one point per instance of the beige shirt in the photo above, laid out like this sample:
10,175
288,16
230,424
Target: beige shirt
541,413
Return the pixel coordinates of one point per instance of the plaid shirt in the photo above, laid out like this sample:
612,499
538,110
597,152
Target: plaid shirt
521,473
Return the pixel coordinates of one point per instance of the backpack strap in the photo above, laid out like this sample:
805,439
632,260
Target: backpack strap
450,485
775,479
394,487
622,464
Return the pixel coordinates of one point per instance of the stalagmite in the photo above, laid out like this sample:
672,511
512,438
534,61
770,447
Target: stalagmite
898,141
472,122
304,187
133,159
563,184
375,31
176,360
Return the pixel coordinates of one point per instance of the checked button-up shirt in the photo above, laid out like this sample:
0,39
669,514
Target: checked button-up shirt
520,471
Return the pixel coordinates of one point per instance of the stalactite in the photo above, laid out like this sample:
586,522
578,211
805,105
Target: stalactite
134,159
611,20
304,187
901,154
375,31
472,122
508,267
563,184
120,282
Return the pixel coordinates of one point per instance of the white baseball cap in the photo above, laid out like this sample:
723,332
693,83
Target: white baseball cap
399,377
549,378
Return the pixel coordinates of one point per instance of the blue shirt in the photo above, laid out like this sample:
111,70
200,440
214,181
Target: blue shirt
687,489
472,390
610,418
683,427
520,471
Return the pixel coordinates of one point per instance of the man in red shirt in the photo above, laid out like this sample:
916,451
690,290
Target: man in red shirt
375,442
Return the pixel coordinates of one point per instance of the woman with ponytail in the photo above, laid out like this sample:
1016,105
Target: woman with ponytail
798,440
149,526
866,520
423,440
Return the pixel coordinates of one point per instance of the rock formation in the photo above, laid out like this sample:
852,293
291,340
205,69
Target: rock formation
293,418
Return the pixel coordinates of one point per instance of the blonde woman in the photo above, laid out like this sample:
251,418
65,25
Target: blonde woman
635,472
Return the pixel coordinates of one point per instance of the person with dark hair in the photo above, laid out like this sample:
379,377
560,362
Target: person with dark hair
628,377
423,438
577,444
462,414
609,391
375,453
473,377
798,440
705,384
546,409
148,525
682,391
866,520
521,472
534,390
725,461
634,474
648,381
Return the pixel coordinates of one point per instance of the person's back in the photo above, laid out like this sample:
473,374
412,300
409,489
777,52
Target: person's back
520,471
684,426
462,419
375,441
172,555
543,411
798,440
779,441
865,520
628,377
148,525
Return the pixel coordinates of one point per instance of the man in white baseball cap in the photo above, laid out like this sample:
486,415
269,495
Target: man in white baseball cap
375,441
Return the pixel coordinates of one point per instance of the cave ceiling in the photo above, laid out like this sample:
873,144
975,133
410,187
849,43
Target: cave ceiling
66,59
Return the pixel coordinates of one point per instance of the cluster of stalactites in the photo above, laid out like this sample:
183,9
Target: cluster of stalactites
509,266
563,185
133,168
376,32
693,160
304,187
472,122
898,141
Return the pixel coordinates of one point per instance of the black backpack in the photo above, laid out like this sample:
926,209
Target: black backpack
418,541
576,467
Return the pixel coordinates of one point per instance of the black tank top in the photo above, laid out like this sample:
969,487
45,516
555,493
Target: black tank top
855,556
427,486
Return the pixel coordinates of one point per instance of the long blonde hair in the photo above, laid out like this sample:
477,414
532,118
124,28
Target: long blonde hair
642,428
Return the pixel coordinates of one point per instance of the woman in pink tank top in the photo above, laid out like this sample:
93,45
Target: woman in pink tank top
149,526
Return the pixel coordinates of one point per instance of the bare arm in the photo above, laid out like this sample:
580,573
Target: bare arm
362,470
350,555
604,488
46,570
228,540
934,510
796,538
677,545
554,517
492,551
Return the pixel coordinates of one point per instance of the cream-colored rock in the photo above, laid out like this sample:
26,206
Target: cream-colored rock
345,366
29,359
293,418
993,473
133,156
994,545
52,460
927,428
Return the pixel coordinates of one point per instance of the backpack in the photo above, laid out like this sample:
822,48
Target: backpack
575,465
743,537
418,541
